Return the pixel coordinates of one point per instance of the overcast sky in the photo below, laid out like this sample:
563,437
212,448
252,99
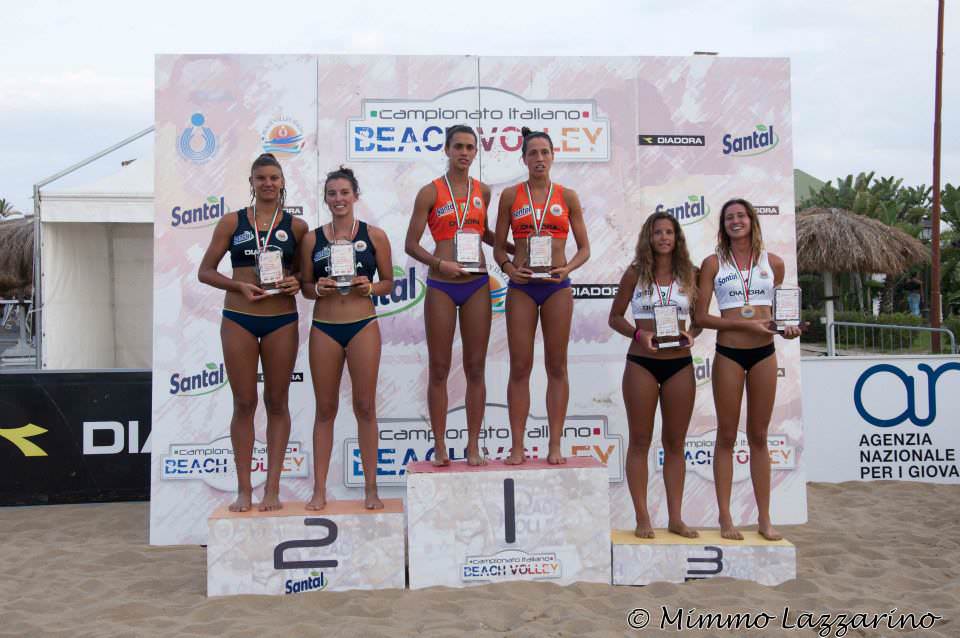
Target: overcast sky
76,77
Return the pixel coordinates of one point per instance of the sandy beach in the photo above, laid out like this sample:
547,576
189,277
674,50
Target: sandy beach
86,570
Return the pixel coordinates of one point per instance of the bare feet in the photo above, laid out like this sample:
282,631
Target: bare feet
680,529
371,501
555,456
318,501
474,457
644,530
766,530
731,533
270,502
516,457
243,502
440,458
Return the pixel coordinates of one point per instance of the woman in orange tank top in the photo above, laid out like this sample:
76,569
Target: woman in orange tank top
454,207
540,215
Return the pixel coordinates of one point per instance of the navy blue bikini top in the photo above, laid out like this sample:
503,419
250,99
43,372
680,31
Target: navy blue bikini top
365,250
243,245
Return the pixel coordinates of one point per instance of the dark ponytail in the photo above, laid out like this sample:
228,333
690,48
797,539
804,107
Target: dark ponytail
343,173
532,135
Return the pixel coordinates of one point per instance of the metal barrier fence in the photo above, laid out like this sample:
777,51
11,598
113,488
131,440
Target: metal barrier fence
881,338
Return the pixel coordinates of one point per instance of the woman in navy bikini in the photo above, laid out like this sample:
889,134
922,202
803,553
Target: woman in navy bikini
259,323
742,276
345,327
454,207
540,214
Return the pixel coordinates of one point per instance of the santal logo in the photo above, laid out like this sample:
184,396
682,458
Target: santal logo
410,130
407,292
314,582
206,214
208,380
690,211
759,141
702,369
197,142
283,136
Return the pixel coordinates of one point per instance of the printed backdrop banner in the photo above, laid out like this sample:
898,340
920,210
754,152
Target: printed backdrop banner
632,136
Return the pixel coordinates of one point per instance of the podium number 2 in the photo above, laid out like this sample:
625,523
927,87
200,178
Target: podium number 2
509,512
280,563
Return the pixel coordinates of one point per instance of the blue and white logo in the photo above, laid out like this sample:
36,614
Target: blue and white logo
909,384
197,142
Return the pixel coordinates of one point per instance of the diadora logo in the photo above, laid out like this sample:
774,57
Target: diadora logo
296,211
761,140
197,142
411,130
21,436
594,291
689,211
283,137
207,214
767,210
672,139
701,369
210,379
243,237
885,394
408,291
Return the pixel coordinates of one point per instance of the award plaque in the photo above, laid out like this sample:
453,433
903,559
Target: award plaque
666,322
270,269
786,307
540,256
343,264
466,251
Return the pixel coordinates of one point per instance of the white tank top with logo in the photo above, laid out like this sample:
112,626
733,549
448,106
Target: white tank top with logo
644,299
728,284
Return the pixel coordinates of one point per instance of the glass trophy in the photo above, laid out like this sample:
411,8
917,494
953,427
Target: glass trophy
466,251
786,307
343,265
270,269
540,255
666,322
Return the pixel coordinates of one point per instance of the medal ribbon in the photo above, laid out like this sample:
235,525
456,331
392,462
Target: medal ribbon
665,300
353,231
746,284
453,200
538,223
256,233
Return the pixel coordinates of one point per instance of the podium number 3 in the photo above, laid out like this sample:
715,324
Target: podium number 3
509,512
280,563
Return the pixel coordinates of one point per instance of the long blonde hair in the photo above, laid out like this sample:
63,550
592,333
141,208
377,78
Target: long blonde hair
683,270
724,251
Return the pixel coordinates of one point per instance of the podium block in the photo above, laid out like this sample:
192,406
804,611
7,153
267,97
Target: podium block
294,550
674,559
474,525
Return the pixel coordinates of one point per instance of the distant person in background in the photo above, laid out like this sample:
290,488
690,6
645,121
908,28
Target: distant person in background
914,287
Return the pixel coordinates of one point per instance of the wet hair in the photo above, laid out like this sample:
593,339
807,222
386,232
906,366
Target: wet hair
756,236
683,269
269,159
532,135
458,128
343,173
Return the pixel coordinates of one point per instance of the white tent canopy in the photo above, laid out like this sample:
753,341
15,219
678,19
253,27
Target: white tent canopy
96,265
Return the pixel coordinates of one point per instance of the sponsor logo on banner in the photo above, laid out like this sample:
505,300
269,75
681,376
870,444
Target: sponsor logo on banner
408,291
411,130
213,463
761,140
407,440
197,142
314,581
114,438
909,385
689,211
594,291
295,377
699,455
672,139
702,367
767,210
511,564
191,384
498,289
296,211
283,137
206,214
20,438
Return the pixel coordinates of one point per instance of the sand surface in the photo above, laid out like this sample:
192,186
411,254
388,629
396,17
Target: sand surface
86,570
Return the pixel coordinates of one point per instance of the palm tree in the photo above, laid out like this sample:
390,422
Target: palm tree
6,208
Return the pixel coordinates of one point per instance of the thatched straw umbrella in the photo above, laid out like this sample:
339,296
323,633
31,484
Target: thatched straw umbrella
16,259
833,240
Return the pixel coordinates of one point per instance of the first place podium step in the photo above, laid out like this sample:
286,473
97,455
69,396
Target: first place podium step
295,550
535,521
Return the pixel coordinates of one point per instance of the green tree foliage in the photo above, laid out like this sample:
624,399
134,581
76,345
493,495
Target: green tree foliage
6,208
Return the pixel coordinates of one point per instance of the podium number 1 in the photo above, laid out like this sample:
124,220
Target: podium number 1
509,512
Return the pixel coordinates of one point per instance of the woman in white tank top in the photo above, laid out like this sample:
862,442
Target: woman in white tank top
661,274
742,276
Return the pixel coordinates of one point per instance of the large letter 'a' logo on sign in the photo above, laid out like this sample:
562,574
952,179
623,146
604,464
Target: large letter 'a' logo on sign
21,438
910,412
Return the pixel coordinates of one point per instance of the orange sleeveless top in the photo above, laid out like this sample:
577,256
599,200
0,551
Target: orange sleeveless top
442,218
556,219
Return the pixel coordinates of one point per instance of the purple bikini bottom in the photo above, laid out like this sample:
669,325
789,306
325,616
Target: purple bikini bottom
459,293
540,291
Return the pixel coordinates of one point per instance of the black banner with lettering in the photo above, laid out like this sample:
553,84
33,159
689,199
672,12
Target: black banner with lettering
73,437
